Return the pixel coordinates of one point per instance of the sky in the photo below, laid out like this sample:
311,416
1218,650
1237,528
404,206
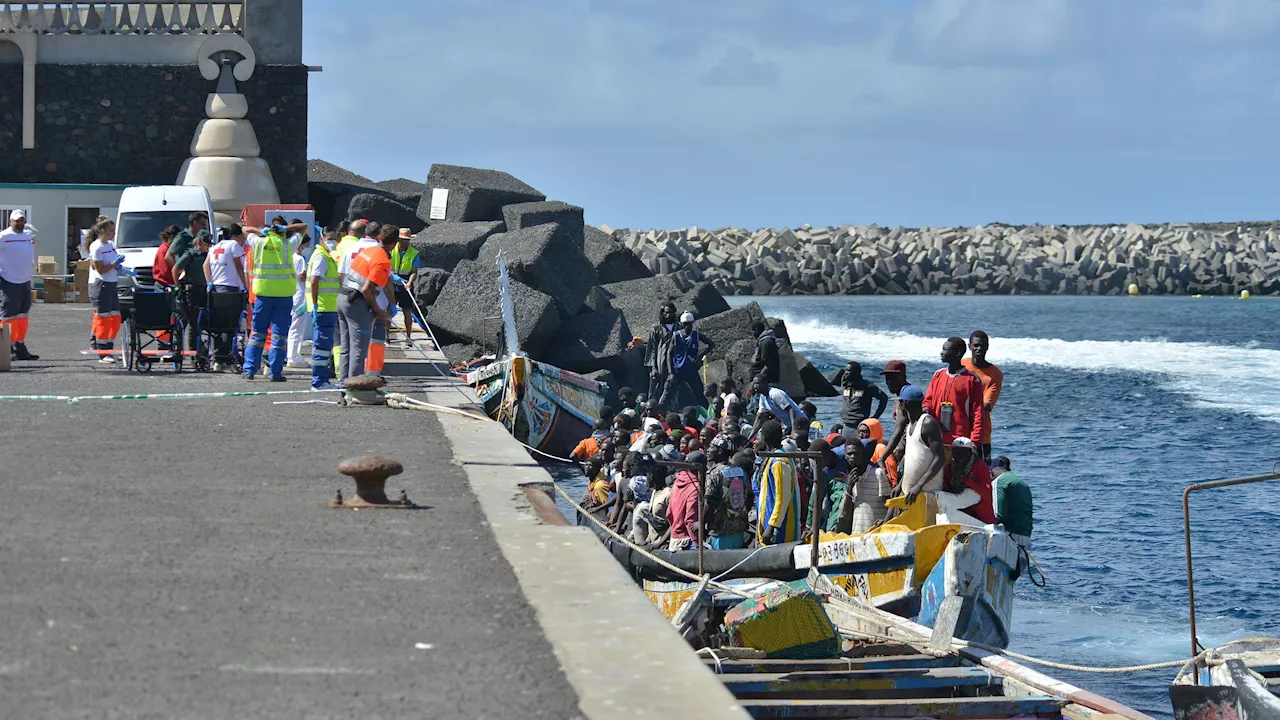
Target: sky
773,113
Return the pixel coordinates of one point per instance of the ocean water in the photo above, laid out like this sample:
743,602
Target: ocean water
1110,407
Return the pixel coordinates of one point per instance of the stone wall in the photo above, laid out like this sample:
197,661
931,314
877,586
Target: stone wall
133,124
1219,259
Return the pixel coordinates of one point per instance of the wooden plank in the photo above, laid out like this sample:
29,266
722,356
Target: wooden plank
938,708
871,663
864,684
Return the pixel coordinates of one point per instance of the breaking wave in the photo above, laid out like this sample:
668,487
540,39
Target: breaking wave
1219,376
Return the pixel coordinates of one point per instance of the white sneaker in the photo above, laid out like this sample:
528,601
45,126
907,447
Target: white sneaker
219,367
107,360
327,387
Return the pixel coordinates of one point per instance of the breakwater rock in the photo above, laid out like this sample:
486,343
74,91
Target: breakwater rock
1174,259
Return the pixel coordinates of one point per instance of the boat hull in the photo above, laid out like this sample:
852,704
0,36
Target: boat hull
542,406
979,567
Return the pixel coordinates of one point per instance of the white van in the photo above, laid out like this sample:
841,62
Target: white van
144,212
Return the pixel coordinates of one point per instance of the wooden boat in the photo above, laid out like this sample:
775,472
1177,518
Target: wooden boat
1238,681
906,567
542,406
888,668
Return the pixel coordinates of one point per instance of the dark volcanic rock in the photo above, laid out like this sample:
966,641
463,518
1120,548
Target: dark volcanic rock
815,383
475,194
639,300
462,353
468,308
546,258
444,244
380,208
613,261
583,343
726,328
330,190
597,299
427,287
527,215
404,190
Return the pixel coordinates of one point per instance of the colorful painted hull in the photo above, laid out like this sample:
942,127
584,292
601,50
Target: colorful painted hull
541,405
980,567
905,568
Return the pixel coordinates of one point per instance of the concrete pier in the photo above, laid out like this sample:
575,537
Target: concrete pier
176,558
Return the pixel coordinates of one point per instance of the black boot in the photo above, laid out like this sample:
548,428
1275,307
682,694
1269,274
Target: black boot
20,352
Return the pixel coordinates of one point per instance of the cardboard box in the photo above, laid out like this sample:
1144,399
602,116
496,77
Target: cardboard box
47,265
81,282
55,290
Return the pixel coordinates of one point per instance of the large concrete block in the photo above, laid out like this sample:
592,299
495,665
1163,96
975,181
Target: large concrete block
377,207
525,215
546,258
468,308
815,383
726,328
639,300
407,191
330,188
428,285
613,261
474,194
589,341
444,244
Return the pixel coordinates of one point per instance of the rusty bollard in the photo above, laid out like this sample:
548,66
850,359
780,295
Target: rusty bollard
364,390
370,473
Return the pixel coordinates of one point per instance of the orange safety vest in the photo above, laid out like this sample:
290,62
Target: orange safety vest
364,267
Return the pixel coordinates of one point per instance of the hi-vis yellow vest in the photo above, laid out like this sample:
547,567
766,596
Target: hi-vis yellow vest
324,266
273,274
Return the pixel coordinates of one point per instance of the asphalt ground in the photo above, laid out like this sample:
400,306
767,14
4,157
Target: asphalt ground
176,558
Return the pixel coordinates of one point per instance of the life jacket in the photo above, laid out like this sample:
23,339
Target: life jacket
329,281
273,274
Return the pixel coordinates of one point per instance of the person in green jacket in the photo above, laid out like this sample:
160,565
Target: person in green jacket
1013,502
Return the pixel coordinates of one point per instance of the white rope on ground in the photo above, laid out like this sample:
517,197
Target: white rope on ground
404,402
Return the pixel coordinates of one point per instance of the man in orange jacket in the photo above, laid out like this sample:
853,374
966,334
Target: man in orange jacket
362,301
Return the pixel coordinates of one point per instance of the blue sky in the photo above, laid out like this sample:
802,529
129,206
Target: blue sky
669,113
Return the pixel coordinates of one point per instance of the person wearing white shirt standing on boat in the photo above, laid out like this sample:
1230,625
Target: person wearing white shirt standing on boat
17,265
104,263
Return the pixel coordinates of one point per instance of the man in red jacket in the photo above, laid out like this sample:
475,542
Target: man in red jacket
966,483
682,511
954,397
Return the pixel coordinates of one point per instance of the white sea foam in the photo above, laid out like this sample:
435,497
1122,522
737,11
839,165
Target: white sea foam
1221,376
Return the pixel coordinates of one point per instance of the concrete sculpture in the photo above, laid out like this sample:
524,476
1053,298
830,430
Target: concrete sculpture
225,151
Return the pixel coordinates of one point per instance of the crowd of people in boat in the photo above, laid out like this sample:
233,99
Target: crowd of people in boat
643,461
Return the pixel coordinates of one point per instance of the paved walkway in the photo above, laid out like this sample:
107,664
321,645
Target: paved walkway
176,559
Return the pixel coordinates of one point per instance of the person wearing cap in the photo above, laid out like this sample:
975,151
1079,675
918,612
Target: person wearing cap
1013,504
688,348
405,264
992,379
17,266
924,455
859,394
104,264
966,481
954,396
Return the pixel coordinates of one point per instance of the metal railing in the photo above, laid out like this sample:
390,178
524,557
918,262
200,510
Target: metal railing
1186,527
123,18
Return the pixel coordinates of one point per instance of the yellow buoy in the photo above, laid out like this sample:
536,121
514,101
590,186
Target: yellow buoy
1133,289
1245,295
1197,296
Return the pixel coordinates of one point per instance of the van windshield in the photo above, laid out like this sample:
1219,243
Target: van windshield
142,229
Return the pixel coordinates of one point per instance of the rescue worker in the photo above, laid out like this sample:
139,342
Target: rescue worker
362,302
17,265
324,284
346,249
273,287
405,264
104,264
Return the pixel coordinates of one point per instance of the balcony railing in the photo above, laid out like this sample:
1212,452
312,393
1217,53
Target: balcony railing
123,18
